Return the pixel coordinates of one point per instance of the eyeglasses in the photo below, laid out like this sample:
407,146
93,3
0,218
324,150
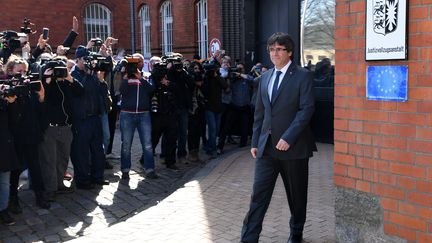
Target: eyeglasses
276,49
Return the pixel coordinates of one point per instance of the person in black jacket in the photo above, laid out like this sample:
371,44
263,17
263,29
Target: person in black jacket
212,87
8,160
165,114
27,134
87,153
179,76
54,150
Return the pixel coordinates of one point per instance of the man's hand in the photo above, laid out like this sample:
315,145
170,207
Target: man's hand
48,73
75,24
90,44
254,152
282,145
42,42
11,99
41,93
61,50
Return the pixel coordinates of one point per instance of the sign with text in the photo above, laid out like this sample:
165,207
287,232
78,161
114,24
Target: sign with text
386,30
389,83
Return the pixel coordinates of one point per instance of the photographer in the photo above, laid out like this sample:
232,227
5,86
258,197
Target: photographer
239,109
212,88
54,151
135,114
8,160
184,85
87,153
27,133
164,115
196,113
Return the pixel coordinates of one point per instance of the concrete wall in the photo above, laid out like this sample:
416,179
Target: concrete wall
383,150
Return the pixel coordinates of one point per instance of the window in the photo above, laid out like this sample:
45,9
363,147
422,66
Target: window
97,21
144,18
317,30
202,28
167,26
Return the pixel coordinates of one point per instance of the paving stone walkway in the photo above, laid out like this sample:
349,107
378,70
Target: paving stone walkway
202,202
211,207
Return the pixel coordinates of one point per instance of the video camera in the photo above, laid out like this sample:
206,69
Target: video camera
97,62
57,65
232,72
175,59
12,40
21,85
97,42
129,65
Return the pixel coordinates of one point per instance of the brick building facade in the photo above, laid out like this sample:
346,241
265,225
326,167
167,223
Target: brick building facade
58,17
383,150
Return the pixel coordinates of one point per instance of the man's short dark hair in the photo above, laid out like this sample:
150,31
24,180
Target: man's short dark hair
281,39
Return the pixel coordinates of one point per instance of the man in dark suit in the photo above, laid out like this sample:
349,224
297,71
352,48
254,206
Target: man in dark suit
282,141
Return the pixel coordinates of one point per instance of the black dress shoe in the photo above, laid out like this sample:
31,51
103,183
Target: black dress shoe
173,167
125,176
295,238
101,182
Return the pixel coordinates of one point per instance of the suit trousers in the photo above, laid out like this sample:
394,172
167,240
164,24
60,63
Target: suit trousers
54,153
294,174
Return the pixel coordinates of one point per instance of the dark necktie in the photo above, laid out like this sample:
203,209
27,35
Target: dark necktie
275,85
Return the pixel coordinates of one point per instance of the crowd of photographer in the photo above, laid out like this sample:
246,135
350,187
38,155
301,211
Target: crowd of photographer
53,108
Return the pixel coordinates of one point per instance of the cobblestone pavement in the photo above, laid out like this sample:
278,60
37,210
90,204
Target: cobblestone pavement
211,207
84,212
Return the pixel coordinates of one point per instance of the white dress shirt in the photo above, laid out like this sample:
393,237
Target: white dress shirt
272,79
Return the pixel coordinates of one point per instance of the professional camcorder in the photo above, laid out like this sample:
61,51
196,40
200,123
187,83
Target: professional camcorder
97,62
57,65
175,59
233,72
97,42
21,85
130,65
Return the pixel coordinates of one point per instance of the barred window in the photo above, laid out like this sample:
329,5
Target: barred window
97,21
144,19
202,28
167,27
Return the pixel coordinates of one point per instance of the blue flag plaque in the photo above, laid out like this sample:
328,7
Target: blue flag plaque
388,83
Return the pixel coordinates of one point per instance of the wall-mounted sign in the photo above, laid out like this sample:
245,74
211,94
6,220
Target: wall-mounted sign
388,83
386,30
214,45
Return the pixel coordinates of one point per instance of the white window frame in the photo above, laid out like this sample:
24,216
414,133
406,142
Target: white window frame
145,29
166,27
97,21
202,24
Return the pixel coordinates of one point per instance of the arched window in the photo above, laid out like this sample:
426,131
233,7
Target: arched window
202,28
167,27
97,21
144,19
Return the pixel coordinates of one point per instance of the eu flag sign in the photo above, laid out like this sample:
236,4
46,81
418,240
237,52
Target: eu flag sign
389,83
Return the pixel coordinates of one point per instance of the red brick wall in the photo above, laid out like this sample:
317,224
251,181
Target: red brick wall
57,15
385,148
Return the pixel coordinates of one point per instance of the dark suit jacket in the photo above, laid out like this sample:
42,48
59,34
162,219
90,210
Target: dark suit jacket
288,116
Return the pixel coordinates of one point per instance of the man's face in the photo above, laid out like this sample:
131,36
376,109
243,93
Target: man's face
80,63
279,55
225,64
